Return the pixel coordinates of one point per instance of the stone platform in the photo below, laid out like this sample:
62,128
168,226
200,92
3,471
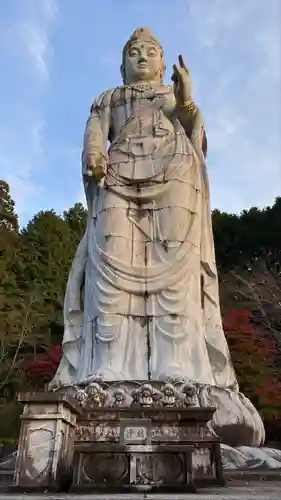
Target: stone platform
113,438
114,449
250,491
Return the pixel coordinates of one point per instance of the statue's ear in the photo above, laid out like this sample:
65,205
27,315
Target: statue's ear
162,73
204,144
123,74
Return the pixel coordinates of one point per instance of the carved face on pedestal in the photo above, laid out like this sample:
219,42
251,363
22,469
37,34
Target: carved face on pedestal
118,398
143,58
170,395
146,395
81,396
96,394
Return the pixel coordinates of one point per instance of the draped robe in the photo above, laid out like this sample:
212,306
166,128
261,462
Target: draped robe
146,263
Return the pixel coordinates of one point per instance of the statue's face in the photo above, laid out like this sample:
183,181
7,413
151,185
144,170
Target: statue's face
143,62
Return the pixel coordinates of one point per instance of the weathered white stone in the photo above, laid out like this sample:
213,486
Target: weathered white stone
147,245
250,457
45,449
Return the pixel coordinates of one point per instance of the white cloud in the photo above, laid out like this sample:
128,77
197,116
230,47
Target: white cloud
36,46
239,90
25,35
49,10
211,22
26,45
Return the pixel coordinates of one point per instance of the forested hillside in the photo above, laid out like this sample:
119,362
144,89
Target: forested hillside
34,267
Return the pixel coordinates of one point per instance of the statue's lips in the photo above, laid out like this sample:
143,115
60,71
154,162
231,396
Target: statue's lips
142,66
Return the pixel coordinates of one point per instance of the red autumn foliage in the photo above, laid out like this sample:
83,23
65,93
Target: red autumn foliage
253,355
45,364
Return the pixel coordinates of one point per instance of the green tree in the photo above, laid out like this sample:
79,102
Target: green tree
241,240
77,220
49,245
8,217
18,308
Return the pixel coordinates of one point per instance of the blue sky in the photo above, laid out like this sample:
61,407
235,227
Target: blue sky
56,56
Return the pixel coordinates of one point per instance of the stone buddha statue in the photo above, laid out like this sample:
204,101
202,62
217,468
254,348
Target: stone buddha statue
146,264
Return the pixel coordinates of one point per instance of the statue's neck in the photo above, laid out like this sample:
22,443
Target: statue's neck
145,84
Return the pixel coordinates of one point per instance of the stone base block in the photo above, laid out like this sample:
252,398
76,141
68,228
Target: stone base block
45,450
160,448
118,468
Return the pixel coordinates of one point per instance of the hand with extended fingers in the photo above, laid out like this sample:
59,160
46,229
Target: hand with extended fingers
182,83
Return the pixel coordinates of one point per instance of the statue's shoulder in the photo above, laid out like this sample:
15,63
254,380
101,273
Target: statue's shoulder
103,100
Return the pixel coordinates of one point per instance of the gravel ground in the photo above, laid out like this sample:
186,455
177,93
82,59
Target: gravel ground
269,491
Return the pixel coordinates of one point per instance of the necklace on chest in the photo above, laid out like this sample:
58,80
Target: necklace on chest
142,86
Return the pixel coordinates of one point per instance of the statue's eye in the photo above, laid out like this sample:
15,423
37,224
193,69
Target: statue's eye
152,52
133,52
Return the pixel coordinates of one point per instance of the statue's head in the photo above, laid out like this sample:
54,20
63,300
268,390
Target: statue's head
143,58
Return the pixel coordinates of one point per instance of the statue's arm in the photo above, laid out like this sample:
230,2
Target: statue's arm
94,155
192,121
187,112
